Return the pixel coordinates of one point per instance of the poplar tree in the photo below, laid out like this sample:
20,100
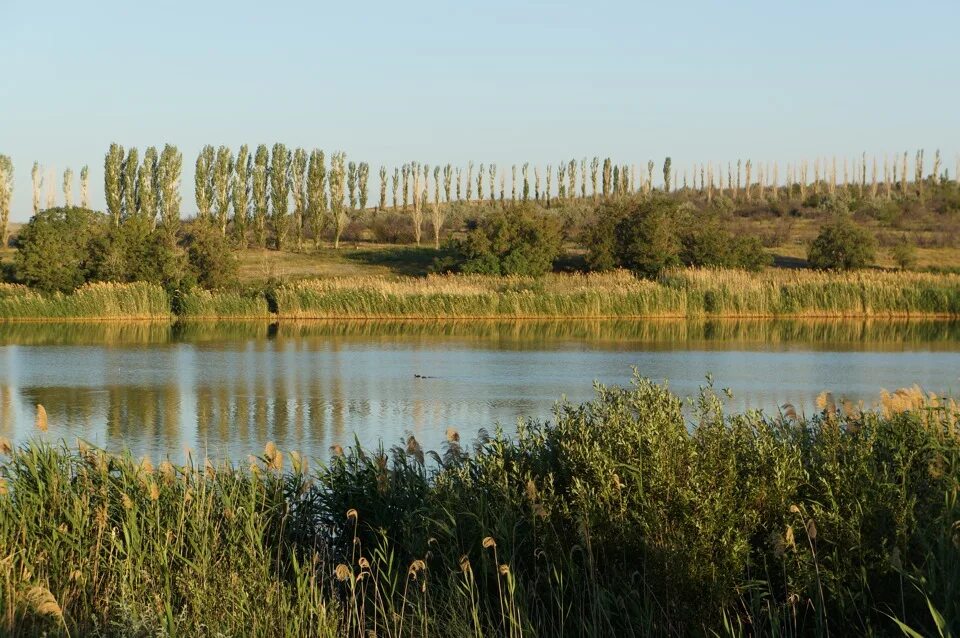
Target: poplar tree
147,185
615,182
607,176
340,216
383,188
594,168
405,170
649,185
437,216
168,176
298,185
316,196
536,182
352,185
492,174
131,203
240,187
203,181
459,176
526,181
6,196
748,168
112,178
220,176
67,190
513,183
417,200
480,184
85,186
936,166
260,188
447,181
572,175
36,178
469,180
503,189
395,183
583,178
363,176
280,193
562,182
666,175
547,194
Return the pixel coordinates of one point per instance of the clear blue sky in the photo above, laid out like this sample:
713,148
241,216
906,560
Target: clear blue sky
495,81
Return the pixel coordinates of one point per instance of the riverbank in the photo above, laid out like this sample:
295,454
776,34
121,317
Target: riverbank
620,518
681,294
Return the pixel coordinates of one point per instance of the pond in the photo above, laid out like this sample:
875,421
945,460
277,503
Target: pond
227,389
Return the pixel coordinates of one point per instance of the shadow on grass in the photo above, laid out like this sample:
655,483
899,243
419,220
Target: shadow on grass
401,260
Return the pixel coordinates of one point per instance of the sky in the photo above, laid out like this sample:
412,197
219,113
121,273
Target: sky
502,81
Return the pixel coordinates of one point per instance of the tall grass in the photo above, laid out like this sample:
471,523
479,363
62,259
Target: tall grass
681,293
138,300
619,518
221,304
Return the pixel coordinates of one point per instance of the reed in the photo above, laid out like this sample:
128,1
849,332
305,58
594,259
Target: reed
93,301
687,293
619,517
221,304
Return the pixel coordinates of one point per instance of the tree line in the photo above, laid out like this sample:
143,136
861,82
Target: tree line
249,194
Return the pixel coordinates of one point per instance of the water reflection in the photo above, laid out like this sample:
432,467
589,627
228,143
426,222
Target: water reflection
226,389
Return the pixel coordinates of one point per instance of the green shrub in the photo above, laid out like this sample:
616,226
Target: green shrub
211,259
841,245
905,254
517,241
56,248
650,236
134,251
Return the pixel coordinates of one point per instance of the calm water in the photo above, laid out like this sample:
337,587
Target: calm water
226,390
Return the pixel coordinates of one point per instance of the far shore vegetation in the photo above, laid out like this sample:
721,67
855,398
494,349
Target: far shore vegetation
287,233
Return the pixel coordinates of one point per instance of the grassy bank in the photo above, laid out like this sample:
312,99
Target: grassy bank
620,518
683,293
688,293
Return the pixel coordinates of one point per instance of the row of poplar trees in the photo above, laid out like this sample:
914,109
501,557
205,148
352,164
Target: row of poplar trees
149,189
254,191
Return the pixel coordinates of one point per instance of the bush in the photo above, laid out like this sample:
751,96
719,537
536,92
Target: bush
841,245
56,248
649,236
512,242
212,262
904,254
134,251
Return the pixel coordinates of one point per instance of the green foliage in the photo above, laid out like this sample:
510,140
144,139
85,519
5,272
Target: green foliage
641,235
841,245
649,236
280,193
212,262
56,248
905,254
134,251
625,516
168,178
112,182
516,241
261,194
